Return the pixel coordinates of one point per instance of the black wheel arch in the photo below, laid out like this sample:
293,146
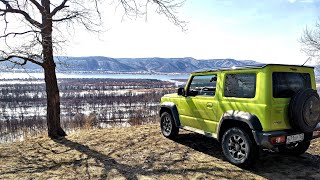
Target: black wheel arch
245,120
171,108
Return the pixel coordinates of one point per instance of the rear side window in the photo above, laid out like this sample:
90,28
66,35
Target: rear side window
240,85
286,84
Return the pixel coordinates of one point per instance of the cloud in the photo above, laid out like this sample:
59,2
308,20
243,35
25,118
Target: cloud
292,1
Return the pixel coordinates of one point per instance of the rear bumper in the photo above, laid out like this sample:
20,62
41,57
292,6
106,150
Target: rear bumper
264,138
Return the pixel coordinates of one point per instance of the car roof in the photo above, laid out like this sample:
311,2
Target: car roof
254,66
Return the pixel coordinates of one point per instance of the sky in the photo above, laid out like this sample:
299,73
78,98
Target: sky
267,31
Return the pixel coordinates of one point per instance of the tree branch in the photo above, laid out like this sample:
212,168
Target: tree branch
38,5
310,41
163,7
167,8
10,9
25,60
67,17
58,8
21,33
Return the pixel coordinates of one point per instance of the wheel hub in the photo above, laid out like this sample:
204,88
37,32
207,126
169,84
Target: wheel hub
237,147
311,111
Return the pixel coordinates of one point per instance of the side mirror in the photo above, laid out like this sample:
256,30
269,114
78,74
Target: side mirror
181,92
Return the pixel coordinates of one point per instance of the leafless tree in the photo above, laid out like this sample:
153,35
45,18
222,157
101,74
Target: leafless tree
310,41
32,33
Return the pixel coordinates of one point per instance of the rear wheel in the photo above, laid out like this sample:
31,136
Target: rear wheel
239,148
294,150
168,126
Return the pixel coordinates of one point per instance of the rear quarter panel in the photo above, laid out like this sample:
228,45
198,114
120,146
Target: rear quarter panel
257,106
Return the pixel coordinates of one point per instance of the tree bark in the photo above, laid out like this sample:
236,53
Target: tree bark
53,102
49,66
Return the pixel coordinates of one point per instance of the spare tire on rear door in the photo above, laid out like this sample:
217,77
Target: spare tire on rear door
304,110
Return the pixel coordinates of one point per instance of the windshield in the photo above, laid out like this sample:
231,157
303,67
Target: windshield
286,84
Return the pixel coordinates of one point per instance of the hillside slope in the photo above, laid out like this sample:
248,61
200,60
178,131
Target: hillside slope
135,65
146,65
142,153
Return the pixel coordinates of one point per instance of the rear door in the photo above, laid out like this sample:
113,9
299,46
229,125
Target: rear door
284,86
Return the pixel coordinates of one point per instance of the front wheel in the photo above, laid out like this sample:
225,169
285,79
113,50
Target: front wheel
295,150
168,126
239,148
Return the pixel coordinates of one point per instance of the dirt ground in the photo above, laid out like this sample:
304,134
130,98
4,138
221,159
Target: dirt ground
141,152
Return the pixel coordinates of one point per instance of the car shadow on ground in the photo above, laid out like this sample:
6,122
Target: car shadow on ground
270,165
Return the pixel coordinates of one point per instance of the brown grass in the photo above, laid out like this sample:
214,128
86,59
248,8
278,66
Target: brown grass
142,153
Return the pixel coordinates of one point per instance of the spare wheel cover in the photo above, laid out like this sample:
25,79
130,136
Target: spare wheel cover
304,110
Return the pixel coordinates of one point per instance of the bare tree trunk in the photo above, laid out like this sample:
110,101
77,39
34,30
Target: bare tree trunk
49,66
53,103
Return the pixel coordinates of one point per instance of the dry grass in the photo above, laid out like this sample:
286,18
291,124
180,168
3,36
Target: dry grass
142,153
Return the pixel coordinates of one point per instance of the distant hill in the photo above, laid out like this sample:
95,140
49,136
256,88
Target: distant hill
137,65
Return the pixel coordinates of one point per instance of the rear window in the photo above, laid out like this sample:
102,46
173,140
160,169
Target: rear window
286,84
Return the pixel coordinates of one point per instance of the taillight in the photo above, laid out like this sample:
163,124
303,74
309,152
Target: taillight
278,139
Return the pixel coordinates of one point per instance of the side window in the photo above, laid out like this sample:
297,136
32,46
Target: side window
203,85
240,85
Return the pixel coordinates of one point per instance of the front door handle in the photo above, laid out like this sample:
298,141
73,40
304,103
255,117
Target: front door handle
209,105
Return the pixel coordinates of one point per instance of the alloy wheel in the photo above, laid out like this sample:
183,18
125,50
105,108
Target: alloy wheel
166,125
237,147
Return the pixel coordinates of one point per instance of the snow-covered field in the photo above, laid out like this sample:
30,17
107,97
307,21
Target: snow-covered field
98,103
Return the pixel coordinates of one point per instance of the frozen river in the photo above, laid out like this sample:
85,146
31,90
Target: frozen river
165,77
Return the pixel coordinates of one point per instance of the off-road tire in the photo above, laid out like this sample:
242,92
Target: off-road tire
304,111
168,126
299,149
246,147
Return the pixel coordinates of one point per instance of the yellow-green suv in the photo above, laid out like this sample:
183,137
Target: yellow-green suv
247,108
